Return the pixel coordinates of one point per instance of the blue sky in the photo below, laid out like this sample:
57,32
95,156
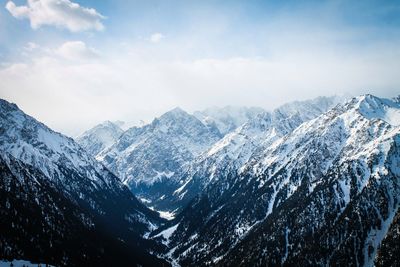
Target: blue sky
133,60
226,28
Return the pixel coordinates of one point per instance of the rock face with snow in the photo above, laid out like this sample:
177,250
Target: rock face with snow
388,253
60,206
326,193
145,158
228,155
100,137
228,118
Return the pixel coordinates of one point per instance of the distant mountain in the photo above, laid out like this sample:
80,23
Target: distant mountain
62,207
145,158
228,118
326,193
100,137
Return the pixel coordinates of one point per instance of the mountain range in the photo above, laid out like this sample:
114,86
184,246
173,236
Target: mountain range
310,183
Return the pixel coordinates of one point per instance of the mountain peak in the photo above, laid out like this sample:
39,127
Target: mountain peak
372,107
100,137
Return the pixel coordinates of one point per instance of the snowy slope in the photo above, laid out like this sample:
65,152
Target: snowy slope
333,180
56,195
99,137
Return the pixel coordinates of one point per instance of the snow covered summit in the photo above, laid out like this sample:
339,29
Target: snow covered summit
100,137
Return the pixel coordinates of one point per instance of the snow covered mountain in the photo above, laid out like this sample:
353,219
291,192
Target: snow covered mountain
326,193
228,118
311,183
61,201
100,137
229,154
145,158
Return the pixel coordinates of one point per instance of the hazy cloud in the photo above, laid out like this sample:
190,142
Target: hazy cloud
264,63
128,88
59,13
76,50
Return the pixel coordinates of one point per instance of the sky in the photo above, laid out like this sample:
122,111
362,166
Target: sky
75,63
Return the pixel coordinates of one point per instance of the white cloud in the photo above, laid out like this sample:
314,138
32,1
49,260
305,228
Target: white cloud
135,80
59,13
76,50
131,88
156,37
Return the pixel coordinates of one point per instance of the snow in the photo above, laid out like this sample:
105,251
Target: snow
345,187
392,116
376,108
221,144
100,137
167,233
179,190
151,228
217,259
272,202
167,215
144,200
162,174
174,262
287,232
375,237
20,263
241,229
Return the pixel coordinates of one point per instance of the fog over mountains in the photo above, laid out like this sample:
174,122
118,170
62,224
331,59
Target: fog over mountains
310,183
